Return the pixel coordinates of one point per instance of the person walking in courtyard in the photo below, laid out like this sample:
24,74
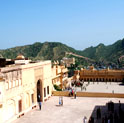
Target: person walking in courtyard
61,101
75,94
39,100
72,92
40,105
85,119
81,87
69,92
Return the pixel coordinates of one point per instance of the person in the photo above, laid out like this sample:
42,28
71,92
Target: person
40,105
75,94
119,104
81,87
39,100
72,92
85,119
61,101
69,92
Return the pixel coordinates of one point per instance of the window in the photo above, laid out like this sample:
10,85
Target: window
44,92
20,105
47,89
32,97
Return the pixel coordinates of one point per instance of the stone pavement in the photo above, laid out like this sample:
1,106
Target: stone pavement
72,111
104,87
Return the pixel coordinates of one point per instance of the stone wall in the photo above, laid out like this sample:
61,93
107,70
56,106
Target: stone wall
89,94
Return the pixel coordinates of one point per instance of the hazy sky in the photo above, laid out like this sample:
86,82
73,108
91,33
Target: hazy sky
77,23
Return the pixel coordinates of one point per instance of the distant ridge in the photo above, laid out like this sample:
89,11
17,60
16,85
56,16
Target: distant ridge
110,53
39,51
56,51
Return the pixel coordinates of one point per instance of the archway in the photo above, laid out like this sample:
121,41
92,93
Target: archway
39,91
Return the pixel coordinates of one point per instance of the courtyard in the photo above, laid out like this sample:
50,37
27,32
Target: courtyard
72,111
105,87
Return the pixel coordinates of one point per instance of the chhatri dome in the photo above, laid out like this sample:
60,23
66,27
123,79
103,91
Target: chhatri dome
21,60
20,57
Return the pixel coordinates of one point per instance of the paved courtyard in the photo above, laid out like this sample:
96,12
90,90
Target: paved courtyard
72,111
108,87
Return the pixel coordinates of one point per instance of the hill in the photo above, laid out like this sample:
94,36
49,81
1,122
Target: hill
100,54
39,51
106,54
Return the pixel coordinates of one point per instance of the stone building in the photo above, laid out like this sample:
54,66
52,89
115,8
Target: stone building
106,75
59,75
19,85
68,61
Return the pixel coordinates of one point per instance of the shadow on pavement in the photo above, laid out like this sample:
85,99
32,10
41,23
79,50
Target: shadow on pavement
109,113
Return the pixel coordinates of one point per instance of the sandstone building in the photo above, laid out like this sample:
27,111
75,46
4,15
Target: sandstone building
59,75
19,85
106,75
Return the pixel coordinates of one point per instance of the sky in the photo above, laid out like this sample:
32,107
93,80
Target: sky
76,23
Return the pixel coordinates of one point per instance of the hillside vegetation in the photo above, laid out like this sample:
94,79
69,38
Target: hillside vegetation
39,51
110,53
56,51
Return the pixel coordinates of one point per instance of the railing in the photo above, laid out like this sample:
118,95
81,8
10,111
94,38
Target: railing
89,94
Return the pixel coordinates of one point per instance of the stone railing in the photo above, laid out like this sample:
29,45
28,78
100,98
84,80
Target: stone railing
89,94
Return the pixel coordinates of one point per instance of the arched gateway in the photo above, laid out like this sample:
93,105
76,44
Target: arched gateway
39,90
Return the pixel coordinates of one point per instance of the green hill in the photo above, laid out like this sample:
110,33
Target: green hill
56,51
110,53
39,51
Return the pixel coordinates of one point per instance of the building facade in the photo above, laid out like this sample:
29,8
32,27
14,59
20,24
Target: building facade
59,75
19,86
104,75
68,61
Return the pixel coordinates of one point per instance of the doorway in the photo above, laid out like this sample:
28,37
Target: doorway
39,91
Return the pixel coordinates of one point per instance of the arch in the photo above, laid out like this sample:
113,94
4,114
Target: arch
39,90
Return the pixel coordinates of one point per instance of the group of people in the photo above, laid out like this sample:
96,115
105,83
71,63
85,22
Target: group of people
72,92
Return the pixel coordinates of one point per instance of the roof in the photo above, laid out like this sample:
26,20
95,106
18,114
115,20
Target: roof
20,57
